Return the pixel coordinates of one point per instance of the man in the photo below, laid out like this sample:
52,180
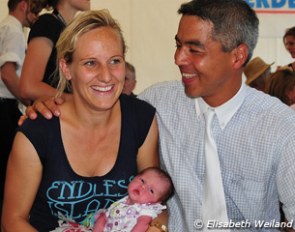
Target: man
130,80
12,53
254,133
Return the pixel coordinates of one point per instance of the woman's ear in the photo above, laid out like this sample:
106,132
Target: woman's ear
64,67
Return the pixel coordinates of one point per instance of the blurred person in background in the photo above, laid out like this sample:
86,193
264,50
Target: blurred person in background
37,78
130,80
22,13
281,84
289,42
257,72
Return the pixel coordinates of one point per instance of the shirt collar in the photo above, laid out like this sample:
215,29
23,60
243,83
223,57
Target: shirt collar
15,21
225,111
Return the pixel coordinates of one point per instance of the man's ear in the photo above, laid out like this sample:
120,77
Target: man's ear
64,67
24,5
240,55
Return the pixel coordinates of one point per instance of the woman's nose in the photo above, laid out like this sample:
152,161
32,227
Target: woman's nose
105,75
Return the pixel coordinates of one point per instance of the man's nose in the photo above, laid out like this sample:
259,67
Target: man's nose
180,57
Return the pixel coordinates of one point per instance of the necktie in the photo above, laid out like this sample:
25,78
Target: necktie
214,206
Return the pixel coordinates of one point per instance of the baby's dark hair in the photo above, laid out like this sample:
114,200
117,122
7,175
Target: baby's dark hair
164,176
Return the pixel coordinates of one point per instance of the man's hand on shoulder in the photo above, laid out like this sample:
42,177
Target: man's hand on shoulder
47,106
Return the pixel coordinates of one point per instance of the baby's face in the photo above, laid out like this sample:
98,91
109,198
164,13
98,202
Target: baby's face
147,188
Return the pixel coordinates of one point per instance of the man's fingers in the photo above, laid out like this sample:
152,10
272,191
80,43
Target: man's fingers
51,106
42,108
31,113
21,120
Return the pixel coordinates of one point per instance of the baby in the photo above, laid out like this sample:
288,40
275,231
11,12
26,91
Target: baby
146,192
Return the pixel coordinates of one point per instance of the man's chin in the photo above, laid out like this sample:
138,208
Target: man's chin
191,94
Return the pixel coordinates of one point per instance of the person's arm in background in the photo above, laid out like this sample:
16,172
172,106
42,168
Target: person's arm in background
23,177
31,81
11,80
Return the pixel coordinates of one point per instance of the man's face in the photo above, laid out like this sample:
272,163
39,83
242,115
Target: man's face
289,42
206,70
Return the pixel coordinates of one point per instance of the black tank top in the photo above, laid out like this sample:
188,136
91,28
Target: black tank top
63,192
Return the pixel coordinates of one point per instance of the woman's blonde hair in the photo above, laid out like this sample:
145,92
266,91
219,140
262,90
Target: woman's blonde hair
84,22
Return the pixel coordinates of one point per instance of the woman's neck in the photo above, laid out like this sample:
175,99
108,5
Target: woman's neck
87,119
67,13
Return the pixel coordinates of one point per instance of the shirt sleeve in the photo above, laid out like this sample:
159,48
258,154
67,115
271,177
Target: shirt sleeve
12,43
286,180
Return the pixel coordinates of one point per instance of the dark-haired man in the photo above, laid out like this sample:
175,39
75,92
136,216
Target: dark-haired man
12,53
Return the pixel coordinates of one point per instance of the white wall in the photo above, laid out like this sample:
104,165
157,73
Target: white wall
149,28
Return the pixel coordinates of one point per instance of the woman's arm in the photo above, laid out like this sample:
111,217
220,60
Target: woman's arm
148,155
142,224
160,223
23,177
31,81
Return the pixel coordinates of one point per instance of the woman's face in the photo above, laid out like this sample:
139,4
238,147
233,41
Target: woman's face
289,42
97,72
80,5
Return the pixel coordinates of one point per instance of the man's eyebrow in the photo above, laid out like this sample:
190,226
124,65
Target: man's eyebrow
196,43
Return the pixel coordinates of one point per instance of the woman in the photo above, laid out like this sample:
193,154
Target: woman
71,166
37,78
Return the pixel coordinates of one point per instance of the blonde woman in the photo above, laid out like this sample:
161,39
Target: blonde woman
70,166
